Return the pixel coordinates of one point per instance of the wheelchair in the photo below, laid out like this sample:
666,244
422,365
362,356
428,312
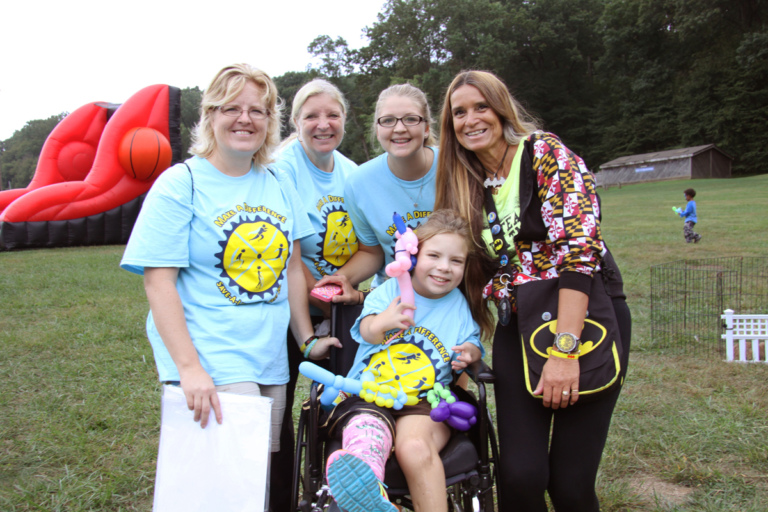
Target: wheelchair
468,458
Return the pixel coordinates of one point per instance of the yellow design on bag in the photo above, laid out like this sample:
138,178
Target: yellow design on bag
592,335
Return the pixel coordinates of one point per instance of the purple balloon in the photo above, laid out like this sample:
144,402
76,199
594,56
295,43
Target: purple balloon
440,413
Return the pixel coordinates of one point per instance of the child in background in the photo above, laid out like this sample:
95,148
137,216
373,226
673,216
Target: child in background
412,355
689,214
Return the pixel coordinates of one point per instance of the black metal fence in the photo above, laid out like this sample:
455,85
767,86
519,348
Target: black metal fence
688,297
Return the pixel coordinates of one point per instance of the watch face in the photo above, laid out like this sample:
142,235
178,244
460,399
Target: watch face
566,342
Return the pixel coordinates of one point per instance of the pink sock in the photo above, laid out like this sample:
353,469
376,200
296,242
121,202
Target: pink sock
368,437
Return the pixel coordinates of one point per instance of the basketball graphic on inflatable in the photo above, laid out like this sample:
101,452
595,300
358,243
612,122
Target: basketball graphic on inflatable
93,173
144,153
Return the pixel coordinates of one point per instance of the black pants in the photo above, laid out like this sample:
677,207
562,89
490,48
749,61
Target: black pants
281,469
530,463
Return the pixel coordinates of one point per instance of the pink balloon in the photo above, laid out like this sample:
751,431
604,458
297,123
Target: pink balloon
407,245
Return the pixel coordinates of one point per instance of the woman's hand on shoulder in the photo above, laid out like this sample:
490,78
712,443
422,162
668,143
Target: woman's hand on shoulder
201,394
559,376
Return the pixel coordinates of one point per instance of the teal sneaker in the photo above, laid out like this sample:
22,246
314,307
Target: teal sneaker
354,485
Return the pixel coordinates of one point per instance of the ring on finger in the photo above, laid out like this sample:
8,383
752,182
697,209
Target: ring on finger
565,393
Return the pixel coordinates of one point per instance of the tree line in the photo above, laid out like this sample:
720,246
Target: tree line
610,77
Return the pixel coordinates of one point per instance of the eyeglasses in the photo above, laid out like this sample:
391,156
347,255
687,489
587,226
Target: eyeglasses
391,121
233,111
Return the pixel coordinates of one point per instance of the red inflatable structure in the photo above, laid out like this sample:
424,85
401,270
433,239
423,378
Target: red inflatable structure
93,173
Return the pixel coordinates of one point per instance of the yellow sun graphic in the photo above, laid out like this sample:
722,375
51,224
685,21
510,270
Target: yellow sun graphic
339,239
405,366
254,256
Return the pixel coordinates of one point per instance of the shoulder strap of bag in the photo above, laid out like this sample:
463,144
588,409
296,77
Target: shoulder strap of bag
191,177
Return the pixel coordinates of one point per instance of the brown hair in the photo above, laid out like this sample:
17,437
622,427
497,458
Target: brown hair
445,221
460,175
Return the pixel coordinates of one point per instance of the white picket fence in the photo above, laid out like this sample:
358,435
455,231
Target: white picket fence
746,334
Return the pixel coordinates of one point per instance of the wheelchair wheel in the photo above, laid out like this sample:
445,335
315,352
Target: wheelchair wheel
297,480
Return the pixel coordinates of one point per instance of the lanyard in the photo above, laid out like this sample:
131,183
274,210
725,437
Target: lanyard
494,221
499,287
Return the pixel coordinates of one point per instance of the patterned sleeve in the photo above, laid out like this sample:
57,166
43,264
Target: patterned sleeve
570,208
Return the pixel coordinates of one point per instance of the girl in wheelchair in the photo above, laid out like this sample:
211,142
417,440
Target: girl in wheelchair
412,355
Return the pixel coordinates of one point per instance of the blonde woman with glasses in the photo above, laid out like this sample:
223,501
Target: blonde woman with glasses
216,244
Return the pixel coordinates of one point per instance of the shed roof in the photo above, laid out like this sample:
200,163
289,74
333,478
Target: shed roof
660,156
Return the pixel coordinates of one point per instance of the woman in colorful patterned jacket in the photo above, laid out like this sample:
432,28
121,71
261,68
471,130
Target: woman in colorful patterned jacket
532,205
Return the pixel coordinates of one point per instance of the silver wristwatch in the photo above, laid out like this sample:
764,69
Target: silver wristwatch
567,343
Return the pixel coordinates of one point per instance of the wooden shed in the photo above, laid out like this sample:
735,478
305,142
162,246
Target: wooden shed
676,164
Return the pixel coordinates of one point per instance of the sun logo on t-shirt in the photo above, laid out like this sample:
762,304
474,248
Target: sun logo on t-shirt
339,241
254,256
404,365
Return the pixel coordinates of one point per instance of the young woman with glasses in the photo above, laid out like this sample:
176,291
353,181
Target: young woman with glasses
401,180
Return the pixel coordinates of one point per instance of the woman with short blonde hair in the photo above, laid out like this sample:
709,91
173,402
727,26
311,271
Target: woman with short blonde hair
226,86
216,242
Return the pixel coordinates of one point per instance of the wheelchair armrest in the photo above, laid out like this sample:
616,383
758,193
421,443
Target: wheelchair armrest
481,372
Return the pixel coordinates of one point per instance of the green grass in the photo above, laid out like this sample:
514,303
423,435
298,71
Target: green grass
78,386
692,427
80,401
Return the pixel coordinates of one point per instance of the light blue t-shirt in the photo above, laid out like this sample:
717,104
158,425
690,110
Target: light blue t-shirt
374,193
422,355
322,193
231,240
689,214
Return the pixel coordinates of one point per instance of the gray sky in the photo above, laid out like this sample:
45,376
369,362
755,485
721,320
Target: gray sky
61,55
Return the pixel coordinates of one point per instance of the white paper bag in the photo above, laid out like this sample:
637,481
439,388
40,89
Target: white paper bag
221,467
